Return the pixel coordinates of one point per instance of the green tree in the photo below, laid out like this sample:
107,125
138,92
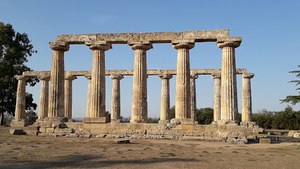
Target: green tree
15,48
264,119
287,119
205,115
294,99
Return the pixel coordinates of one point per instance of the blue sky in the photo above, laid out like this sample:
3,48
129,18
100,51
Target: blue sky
270,47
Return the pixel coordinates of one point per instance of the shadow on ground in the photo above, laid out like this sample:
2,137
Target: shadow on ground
86,161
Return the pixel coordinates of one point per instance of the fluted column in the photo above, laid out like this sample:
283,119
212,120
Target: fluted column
115,111
88,99
246,97
21,98
97,109
44,97
165,98
139,98
228,81
68,95
183,105
217,96
57,80
193,78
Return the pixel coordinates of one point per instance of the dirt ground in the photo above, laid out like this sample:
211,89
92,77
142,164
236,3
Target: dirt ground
26,152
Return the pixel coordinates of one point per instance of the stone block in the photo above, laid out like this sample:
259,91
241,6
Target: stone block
95,120
123,141
13,131
49,130
265,141
296,135
18,123
291,133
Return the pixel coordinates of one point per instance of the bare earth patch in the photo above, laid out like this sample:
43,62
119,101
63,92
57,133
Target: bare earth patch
26,152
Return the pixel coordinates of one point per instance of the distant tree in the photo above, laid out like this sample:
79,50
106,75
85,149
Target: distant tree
172,112
264,119
152,120
287,119
294,99
15,48
205,115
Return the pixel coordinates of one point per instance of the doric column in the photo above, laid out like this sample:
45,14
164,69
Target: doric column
115,115
165,98
57,80
88,99
228,81
139,98
44,97
217,96
97,109
68,95
193,78
246,97
21,98
183,105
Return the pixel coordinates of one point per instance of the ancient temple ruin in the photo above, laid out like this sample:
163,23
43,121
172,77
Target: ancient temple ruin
56,99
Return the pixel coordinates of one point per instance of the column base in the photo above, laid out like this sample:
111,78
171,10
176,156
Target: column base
95,120
225,122
18,123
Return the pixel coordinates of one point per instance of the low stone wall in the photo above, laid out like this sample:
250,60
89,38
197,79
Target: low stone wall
231,132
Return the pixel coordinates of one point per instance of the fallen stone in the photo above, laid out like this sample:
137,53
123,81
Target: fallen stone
264,141
297,135
123,141
291,133
16,132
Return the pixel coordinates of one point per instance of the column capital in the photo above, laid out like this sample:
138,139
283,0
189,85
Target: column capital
248,75
183,44
216,76
229,42
21,77
89,77
99,45
141,46
194,76
165,76
116,76
59,46
46,78
70,77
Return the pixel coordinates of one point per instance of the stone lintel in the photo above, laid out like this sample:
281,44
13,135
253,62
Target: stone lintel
153,37
150,72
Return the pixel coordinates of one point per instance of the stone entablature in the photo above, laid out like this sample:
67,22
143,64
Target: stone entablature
146,38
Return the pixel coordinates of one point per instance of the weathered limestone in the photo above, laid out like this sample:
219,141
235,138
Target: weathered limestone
182,107
139,98
165,98
193,96
57,80
217,96
115,98
246,97
97,109
88,104
68,95
228,81
44,97
21,98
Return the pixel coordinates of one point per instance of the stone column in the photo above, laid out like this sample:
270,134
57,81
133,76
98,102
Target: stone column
217,96
97,106
21,98
88,99
228,81
246,97
193,96
183,104
165,98
115,98
139,98
68,95
57,80
44,97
